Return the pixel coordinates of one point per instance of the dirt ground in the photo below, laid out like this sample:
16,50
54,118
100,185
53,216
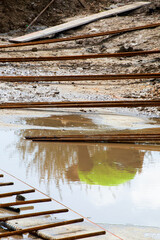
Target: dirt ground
17,14
125,89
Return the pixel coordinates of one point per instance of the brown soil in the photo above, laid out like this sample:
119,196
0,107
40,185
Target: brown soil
17,14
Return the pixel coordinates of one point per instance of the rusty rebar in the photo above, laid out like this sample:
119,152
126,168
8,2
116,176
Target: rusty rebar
8,218
85,235
79,77
81,36
36,228
108,138
79,57
17,192
97,140
83,104
104,139
2,205
6,184
93,136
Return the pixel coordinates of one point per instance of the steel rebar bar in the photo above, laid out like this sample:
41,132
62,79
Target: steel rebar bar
79,77
108,138
2,205
8,218
86,235
94,135
6,184
153,25
36,228
17,192
79,57
83,104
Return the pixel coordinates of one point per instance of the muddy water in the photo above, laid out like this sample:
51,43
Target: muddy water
108,183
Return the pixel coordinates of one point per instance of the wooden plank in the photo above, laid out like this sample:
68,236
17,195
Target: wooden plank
78,22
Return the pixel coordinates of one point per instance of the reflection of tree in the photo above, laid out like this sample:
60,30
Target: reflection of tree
74,162
61,162
111,166
48,159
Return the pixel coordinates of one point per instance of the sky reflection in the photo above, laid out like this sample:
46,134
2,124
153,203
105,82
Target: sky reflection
48,167
109,183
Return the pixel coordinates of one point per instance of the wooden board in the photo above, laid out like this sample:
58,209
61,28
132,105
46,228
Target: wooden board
78,22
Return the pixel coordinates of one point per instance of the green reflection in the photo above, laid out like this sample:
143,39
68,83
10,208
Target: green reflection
106,166
94,164
105,175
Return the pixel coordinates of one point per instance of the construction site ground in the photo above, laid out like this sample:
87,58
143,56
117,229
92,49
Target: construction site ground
146,39
20,123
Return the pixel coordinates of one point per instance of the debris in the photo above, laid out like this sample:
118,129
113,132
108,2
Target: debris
128,49
76,23
19,197
34,49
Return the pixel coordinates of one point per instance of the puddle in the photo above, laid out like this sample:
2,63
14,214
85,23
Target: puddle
108,183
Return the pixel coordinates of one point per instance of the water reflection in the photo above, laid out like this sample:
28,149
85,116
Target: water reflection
105,166
94,164
70,120
111,183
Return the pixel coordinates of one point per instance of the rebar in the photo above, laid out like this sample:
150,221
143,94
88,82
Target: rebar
2,205
8,218
6,184
81,36
86,235
83,104
79,77
15,193
79,57
36,228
